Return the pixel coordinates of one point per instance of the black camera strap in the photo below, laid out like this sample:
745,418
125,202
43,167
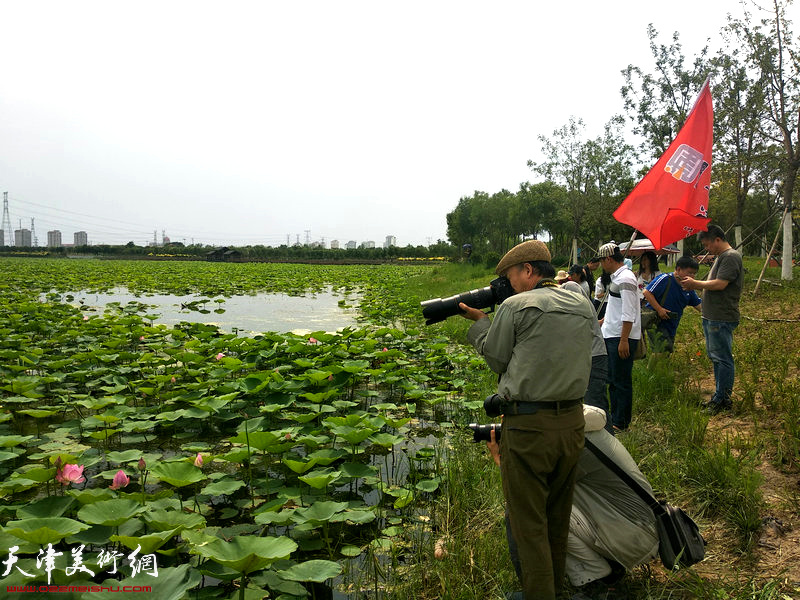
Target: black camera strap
646,496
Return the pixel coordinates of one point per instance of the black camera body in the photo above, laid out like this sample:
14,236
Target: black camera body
438,309
482,433
494,405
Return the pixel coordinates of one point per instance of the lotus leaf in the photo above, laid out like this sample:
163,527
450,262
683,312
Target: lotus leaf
7,441
275,583
312,570
283,517
178,473
91,495
350,551
357,517
53,506
222,488
173,583
111,513
44,530
260,440
246,554
327,456
319,512
149,543
386,440
161,519
299,466
428,485
38,474
123,457
320,478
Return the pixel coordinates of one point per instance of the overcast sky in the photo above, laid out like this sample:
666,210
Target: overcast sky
244,122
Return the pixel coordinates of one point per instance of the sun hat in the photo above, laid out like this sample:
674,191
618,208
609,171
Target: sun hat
532,250
562,275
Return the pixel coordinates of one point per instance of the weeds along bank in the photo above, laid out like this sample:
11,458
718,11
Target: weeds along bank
735,473
329,461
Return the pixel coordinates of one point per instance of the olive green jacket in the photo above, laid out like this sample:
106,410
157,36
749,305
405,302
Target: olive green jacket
540,342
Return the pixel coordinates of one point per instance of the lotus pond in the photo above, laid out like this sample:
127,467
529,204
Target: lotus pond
274,465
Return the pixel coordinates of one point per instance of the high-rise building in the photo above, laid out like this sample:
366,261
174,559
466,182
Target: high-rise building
351,245
54,239
390,241
334,244
22,237
81,238
369,244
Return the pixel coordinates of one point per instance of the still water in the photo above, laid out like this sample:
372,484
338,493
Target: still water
245,314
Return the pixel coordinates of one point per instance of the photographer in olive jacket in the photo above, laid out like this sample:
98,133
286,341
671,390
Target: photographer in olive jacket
539,342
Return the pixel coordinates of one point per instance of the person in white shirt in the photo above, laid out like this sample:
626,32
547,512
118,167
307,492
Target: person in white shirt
622,331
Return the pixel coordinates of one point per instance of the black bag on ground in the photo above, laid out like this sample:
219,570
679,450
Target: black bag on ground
679,541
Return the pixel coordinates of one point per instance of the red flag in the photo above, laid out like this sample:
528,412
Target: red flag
671,201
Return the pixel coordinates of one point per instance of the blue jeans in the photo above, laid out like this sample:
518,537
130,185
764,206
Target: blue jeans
719,346
596,391
620,383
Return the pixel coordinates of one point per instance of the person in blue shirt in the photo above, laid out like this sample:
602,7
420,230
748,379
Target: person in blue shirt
666,296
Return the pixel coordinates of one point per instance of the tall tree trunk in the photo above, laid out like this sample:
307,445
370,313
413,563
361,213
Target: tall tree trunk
737,232
573,257
788,191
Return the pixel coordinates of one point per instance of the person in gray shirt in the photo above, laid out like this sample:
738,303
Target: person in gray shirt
721,292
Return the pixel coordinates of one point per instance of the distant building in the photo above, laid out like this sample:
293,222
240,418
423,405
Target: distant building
317,244
80,239
22,237
390,241
223,254
334,244
368,244
54,239
351,245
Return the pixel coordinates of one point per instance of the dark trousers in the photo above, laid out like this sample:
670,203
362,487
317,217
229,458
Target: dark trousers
539,462
620,382
596,393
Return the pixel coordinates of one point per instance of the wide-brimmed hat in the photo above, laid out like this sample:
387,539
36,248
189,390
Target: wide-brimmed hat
529,251
562,275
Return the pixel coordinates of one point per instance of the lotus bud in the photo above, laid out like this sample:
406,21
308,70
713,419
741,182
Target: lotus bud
173,380
120,480
142,464
312,340
198,461
220,356
58,462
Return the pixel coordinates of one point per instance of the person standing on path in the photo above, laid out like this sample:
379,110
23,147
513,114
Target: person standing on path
722,290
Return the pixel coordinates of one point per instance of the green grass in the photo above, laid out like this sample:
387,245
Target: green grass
687,457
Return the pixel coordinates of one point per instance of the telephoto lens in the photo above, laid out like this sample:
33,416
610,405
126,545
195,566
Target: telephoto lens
481,433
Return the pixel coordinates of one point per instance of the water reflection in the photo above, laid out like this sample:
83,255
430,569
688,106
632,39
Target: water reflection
247,314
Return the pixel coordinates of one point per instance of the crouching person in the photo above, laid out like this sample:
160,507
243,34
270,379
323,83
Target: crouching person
611,529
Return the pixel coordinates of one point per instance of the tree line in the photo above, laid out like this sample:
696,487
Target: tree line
755,81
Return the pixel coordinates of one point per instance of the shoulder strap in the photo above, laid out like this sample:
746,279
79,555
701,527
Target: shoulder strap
615,468
666,290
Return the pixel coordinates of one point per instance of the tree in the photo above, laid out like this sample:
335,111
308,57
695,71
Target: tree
770,51
660,103
739,145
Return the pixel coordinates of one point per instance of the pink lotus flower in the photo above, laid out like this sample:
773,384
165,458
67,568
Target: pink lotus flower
288,436
385,349
173,379
85,317
70,474
142,464
220,356
120,480
141,338
312,340
198,461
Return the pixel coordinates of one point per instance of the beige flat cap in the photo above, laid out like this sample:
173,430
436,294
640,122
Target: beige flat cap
524,252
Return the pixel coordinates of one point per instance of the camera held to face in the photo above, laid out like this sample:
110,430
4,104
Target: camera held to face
438,309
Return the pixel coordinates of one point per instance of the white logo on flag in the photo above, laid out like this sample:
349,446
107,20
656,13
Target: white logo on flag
686,164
